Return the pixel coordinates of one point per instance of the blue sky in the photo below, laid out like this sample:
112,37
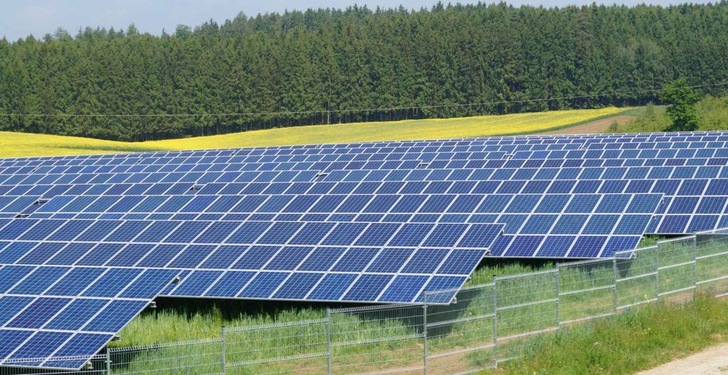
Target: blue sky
20,18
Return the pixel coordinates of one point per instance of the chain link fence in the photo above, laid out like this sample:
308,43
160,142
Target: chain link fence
188,357
484,325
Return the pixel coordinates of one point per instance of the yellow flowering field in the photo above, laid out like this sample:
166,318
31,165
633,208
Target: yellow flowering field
22,144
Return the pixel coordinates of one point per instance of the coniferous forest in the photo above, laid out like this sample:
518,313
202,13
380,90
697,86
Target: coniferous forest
332,66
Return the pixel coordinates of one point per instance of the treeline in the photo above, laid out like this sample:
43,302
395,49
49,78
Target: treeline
331,66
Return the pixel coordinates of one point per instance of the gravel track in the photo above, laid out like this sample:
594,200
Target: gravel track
711,361
598,126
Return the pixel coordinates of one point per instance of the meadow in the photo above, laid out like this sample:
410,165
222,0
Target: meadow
25,144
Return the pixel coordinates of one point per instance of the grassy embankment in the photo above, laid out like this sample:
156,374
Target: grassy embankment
712,114
634,341
22,144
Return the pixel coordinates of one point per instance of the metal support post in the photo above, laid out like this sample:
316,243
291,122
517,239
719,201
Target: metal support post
558,297
329,354
495,321
424,333
695,266
614,285
108,362
222,350
657,273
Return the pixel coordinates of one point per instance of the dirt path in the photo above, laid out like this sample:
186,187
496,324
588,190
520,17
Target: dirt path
711,361
598,126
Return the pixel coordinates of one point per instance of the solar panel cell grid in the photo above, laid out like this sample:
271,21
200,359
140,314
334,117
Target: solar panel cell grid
264,284
230,284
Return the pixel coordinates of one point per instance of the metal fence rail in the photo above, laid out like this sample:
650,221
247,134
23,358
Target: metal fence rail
485,325
188,357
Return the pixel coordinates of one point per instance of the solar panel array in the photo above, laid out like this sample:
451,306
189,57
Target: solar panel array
54,311
89,241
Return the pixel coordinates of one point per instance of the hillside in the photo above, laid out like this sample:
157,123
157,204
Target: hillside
21,144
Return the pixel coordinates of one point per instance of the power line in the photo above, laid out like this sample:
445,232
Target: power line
336,111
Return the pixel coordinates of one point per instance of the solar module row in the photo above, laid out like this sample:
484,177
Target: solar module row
716,140
51,185
504,180
105,271
622,216
213,233
437,202
54,311
553,159
683,214
696,196
237,156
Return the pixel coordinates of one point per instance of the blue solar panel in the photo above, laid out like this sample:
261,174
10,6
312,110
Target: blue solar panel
332,287
230,284
115,316
601,224
10,340
81,344
76,314
14,251
38,313
362,210
297,286
197,283
41,344
367,288
50,324
264,284
75,281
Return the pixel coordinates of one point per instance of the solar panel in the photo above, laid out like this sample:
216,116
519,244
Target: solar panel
265,259
50,311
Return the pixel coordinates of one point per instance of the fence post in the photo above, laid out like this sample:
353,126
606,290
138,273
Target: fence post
108,362
614,285
329,354
495,321
222,349
558,297
695,266
424,333
657,272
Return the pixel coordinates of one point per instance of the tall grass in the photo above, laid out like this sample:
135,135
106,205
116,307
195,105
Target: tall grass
176,320
650,119
636,340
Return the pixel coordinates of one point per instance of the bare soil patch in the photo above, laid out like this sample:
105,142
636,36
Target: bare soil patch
598,126
711,361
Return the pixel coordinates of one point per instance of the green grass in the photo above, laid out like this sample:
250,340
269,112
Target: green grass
650,118
637,340
712,114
